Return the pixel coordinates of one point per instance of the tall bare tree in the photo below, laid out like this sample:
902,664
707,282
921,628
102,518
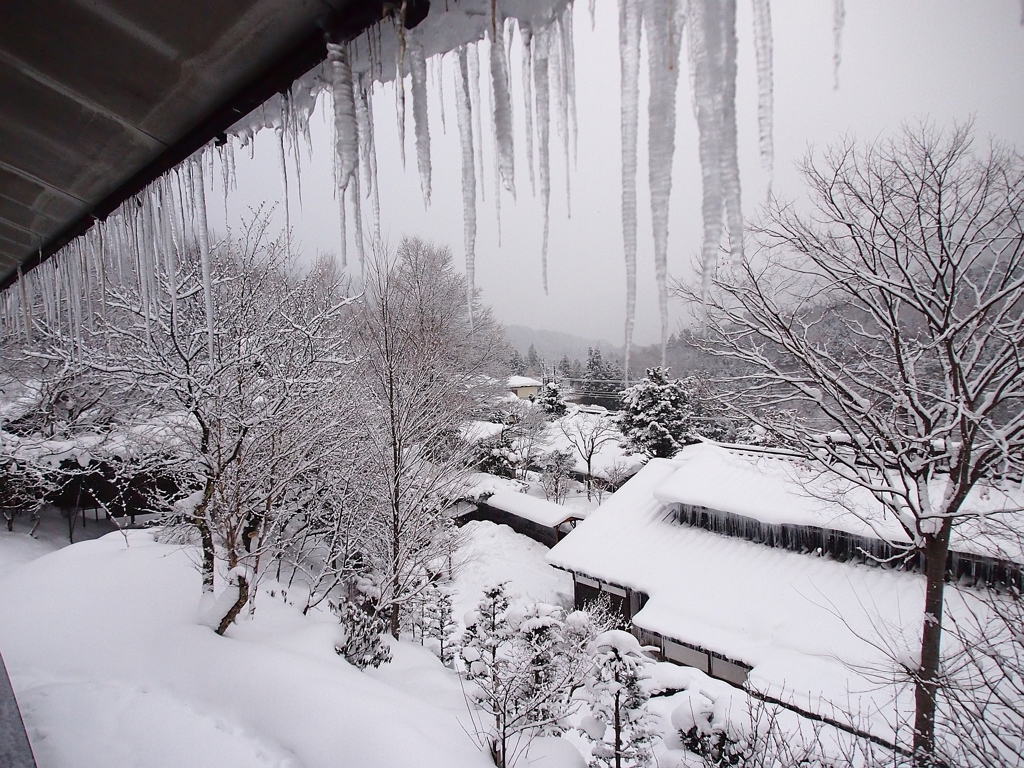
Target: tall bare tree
892,313
426,368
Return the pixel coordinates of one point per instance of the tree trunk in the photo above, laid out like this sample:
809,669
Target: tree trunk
198,519
243,598
926,681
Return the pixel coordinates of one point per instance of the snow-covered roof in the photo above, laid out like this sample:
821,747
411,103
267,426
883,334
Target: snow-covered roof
539,511
774,489
802,622
477,431
515,382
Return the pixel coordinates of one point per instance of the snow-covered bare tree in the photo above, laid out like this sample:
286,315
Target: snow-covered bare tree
587,433
892,315
234,375
425,368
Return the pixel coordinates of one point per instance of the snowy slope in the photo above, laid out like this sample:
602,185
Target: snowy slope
112,669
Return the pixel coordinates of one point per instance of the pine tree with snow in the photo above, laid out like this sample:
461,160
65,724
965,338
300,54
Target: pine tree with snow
619,725
550,399
438,622
656,415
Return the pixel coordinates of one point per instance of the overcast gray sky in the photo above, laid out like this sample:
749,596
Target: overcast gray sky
902,60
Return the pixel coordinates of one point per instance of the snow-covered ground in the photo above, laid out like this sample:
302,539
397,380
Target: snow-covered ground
113,666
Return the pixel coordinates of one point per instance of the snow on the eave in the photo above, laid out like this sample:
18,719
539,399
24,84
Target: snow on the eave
515,382
537,510
797,619
777,490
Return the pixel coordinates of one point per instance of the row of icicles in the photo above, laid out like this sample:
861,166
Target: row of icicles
153,227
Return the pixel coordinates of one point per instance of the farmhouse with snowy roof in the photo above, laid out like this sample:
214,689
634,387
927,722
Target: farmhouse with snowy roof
524,387
749,564
540,519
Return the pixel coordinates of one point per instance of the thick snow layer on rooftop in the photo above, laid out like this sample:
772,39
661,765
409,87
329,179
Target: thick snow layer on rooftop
810,627
776,490
515,382
112,668
540,511
478,431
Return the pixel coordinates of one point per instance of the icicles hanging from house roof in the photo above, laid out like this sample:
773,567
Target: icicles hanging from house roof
663,22
630,22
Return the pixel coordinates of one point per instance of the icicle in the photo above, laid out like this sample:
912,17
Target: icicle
344,228
540,80
283,168
418,69
478,134
204,251
357,217
713,54
570,76
465,118
838,22
169,248
346,132
374,187
368,153
630,19
593,18
400,105
730,140
765,90
26,305
556,52
440,91
503,131
526,35
663,22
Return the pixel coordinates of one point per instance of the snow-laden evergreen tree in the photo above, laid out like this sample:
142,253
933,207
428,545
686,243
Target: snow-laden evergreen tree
550,399
523,664
363,645
438,622
619,725
656,415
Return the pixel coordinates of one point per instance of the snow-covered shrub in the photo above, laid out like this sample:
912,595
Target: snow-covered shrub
497,457
619,725
363,645
705,735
